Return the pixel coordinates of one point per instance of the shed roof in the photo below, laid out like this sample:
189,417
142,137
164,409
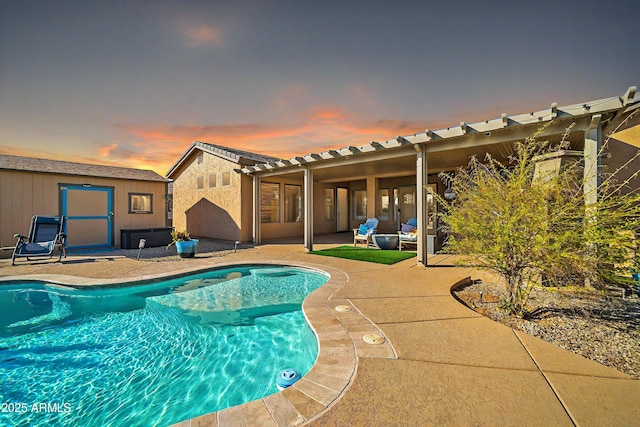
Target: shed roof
31,164
241,157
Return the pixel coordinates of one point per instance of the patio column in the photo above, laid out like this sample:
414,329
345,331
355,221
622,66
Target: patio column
592,144
591,174
257,239
421,205
308,209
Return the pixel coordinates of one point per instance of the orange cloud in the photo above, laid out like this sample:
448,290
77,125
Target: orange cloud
328,114
202,34
106,150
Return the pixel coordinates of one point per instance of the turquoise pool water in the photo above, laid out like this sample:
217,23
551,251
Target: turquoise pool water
151,355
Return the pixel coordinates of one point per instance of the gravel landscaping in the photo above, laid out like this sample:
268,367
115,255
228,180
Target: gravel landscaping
600,327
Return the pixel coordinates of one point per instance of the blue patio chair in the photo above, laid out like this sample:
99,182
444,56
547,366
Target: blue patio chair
408,233
364,232
45,234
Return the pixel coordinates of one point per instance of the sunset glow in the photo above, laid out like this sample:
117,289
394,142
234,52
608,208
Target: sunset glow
135,84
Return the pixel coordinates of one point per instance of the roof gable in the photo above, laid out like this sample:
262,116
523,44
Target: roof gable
240,157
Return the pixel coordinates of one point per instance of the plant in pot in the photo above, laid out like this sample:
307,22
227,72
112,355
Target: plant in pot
635,268
185,245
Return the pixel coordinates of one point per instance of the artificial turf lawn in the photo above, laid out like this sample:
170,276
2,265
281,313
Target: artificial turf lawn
364,254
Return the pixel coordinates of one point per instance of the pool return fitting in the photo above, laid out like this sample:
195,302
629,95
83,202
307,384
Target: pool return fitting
373,339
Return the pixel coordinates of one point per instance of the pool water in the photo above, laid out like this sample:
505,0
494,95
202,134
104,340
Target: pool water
154,354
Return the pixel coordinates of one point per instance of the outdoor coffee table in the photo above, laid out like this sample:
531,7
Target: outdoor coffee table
385,241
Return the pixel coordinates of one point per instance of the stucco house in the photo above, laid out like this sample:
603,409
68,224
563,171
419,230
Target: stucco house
336,190
210,199
97,201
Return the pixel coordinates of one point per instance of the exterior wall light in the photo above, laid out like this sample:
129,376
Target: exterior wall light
449,194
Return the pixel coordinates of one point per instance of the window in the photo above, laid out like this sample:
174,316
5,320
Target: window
329,204
360,204
226,179
269,202
200,182
200,158
212,180
292,203
404,203
383,205
396,204
140,203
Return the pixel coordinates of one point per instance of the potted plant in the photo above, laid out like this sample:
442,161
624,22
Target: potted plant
185,245
635,268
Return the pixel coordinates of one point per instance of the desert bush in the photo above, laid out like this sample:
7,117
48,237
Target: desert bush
528,226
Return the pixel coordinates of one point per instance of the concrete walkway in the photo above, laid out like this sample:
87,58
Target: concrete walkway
456,367
447,365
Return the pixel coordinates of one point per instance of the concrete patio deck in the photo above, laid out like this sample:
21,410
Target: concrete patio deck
441,363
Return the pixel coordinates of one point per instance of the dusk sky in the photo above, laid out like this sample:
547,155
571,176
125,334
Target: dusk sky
134,83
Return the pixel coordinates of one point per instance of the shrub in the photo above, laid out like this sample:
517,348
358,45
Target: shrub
528,226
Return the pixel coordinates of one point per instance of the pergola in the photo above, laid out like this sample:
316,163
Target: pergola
434,151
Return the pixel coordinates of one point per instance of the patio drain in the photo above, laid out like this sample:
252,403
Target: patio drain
373,339
343,308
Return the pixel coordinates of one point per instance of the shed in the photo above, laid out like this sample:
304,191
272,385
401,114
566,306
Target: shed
97,201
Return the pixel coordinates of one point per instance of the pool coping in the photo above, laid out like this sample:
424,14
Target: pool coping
341,341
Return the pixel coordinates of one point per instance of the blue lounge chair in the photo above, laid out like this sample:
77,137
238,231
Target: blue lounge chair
364,232
408,234
45,234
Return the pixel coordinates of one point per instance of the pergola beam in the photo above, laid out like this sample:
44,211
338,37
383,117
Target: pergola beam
629,95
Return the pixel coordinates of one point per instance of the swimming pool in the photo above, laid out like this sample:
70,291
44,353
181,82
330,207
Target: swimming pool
152,354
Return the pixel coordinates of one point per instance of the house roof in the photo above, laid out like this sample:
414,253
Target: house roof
31,164
466,135
241,157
